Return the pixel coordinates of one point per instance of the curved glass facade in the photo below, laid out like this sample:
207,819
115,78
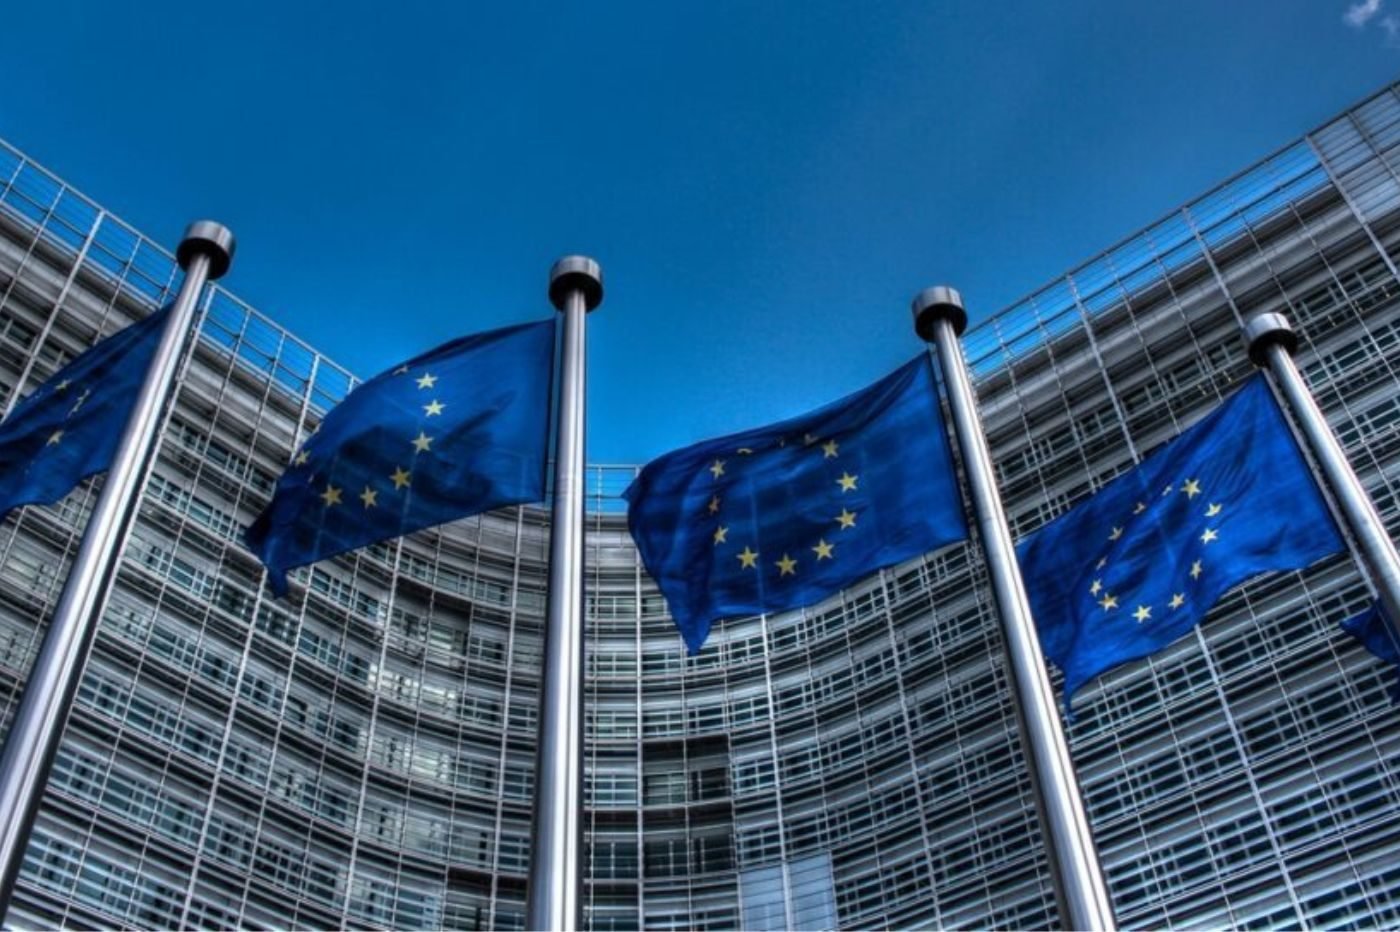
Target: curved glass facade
361,753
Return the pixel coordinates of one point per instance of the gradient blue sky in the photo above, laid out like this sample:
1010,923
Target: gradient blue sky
766,184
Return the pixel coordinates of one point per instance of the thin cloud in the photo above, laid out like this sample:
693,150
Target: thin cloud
1359,14
1391,24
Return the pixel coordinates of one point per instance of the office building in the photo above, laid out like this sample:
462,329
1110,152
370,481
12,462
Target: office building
361,753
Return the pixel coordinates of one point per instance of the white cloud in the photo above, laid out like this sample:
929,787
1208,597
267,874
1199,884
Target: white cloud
1391,24
1358,14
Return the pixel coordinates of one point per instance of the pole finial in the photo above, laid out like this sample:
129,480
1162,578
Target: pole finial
576,273
940,302
1265,330
207,238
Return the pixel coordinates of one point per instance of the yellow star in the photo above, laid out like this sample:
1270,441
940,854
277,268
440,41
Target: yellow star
847,481
79,403
369,497
1139,508
54,438
400,370
720,534
1192,488
62,386
823,549
400,477
787,566
1097,587
331,496
847,518
713,506
744,451
1115,533
748,559
1167,491
428,380
1103,561
1108,601
1178,600
808,439
829,449
422,442
1142,614
301,459
433,407
1209,536
1196,570
1212,511
717,468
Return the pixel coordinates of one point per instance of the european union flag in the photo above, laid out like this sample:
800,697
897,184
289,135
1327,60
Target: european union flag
69,428
1370,629
456,431
782,516
1139,564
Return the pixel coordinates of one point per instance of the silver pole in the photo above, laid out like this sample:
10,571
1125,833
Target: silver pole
940,319
1272,343
204,254
556,863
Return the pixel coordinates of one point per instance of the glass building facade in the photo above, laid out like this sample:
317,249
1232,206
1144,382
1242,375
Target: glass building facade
360,754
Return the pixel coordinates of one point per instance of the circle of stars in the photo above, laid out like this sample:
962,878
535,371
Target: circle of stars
787,564
1142,612
333,496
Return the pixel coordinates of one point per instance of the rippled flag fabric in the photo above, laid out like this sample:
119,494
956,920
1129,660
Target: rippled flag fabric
1139,564
69,428
1371,629
456,431
782,516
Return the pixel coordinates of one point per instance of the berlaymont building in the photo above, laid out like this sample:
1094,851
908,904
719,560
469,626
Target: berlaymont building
361,753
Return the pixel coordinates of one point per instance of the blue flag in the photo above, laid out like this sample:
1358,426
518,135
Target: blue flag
456,431
782,516
1370,629
69,428
1139,564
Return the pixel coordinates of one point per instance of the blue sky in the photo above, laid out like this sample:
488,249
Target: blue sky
766,184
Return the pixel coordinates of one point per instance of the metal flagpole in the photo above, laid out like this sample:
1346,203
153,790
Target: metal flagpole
939,318
204,254
553,901
1272,343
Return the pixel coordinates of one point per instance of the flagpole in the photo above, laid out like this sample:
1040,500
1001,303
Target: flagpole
939,318
556,863
1272,344
29,750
